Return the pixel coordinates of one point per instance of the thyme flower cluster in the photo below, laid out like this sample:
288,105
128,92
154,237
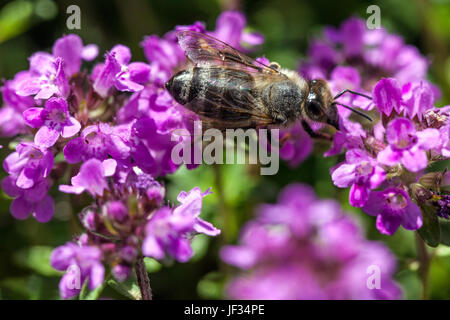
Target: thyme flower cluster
112,128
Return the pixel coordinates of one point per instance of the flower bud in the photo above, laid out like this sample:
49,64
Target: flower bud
121,272
156,192
128,253
420,193
87,219
117,211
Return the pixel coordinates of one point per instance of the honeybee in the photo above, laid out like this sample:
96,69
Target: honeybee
228,89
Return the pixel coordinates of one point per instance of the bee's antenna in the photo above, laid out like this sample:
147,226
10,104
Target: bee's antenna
352,92
354,110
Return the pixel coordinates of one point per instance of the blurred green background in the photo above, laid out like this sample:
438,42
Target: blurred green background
288,25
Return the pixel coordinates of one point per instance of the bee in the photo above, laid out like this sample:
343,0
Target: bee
229,90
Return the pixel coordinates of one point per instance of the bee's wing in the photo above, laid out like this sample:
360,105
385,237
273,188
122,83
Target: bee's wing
203,49
239,108
232,104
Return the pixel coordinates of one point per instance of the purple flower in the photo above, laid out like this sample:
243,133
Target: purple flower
393,208
297,145
389,53
163,52
350,136
374,52
121,272
314,253
406,146
116,210
70,48
45,79
414,98
33,200
445,140
361,172
92,177
11,119
350,35
230,29
53,120
387,96
28,164
168,229
418,98
323,57
119,72
11,122
96,141
443,205
48,73
81,263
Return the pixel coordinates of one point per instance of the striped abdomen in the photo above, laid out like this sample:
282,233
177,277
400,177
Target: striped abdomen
218,93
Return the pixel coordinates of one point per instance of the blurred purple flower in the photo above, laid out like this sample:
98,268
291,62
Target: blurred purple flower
314,253
297,145
121,272
165,52
11,119
81,263
230,29
33,200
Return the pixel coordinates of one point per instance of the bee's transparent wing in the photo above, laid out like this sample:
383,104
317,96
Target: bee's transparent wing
203,49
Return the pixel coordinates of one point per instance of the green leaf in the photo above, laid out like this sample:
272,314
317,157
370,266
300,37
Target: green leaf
445,232
15,19
86,294
152,265
128,288
211,286
36,258
200,245
430,231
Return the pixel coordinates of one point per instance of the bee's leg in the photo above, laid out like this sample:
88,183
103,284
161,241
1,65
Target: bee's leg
313,134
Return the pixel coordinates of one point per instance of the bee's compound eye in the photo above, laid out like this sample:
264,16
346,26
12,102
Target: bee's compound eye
274,66
314,109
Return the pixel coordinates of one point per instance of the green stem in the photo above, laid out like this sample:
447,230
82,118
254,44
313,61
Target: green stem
424,259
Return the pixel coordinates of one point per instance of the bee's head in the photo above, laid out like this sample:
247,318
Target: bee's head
319,105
